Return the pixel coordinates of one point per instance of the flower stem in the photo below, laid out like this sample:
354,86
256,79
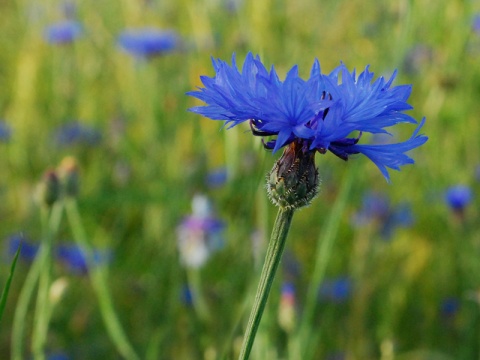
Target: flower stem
198,297
272,260
114,328
43,309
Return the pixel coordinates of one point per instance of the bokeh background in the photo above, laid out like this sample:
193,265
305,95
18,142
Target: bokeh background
175,206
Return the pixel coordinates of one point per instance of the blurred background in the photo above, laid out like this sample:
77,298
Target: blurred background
175,206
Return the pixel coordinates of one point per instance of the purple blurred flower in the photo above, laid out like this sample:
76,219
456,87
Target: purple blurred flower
336,290
58,356
63,32
458,197
199,234
147,42
77,133
216,177
476,24
186,295
69,9
75,258
287,308
449,306
417,58
5,131
29,250
376,207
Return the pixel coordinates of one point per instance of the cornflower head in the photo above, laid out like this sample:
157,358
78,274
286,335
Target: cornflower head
336,290
148,42
325,113
376,208
77,133
458,197
63,32
29,250
200,234
287,307
75,258
5,131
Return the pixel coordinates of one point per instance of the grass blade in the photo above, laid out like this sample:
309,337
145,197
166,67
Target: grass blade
6,289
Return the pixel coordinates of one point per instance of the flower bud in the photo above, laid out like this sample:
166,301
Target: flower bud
68,171
49,188
293,182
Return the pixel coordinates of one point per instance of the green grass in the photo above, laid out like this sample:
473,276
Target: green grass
137,184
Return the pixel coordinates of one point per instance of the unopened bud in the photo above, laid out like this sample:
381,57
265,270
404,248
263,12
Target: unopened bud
68,171
49,188
293,182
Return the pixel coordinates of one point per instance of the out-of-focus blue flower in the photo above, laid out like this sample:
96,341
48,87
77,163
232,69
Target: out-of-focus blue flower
76,133
376,207
338,355
186,295
75,258
199,234
63,32
449,306
476,24
58,356
232,6
336,290
287,309
320,114
458,197
29,250
417,58
216,177
69,9
147,42
5,131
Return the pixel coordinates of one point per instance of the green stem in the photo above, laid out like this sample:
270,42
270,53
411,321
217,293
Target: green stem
6,289
42,309
18,327
99,283
199,303
272,260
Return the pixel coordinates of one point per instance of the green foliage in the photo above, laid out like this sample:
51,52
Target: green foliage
137,183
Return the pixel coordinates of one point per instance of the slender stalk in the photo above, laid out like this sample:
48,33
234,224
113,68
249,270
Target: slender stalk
18,327
198,297
272,260
42,309
99,283
6,289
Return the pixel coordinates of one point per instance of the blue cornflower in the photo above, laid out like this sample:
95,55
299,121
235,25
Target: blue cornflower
476,24
458,197
186,295
449,306
147,42
199,234
75,258
319,114
5,131
216,177
75,132
63,32
376,207
29,250
336,290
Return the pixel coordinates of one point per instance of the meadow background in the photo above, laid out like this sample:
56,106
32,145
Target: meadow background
371,271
